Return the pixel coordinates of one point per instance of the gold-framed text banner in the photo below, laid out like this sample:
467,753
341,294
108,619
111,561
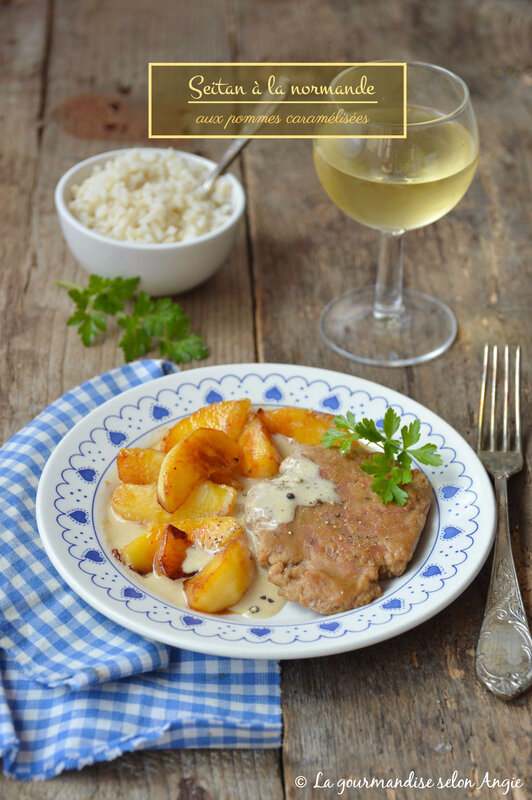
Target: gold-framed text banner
365,100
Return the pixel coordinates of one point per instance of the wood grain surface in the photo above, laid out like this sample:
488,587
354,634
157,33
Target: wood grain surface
73,83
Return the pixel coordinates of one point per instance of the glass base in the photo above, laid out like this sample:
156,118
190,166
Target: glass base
423,330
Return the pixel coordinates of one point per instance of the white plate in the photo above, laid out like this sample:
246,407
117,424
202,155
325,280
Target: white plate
77,481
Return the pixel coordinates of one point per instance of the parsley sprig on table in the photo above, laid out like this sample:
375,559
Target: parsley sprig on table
161,319
391,469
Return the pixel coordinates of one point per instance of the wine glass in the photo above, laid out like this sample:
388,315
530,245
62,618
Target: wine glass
396,185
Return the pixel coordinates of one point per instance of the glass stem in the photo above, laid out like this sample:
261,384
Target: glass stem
389,287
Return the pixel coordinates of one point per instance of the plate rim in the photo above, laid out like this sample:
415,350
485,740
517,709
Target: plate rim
226,647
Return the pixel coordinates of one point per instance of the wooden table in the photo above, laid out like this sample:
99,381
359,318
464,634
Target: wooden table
73,83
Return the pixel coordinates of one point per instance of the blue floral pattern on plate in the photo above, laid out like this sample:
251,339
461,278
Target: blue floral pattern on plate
82,472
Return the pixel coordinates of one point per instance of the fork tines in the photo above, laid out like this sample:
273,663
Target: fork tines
495,398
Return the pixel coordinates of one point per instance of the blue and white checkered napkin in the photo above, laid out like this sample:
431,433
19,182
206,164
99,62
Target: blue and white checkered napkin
77,688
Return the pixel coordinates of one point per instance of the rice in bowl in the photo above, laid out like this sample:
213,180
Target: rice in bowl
152,197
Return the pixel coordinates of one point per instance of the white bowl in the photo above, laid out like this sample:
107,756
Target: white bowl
163,268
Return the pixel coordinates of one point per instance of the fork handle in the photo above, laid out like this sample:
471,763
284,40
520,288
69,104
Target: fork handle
504,651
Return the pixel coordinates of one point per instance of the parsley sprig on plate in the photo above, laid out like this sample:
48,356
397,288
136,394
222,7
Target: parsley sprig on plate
391,469
149,319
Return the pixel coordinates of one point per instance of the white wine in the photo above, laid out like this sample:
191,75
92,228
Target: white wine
399,184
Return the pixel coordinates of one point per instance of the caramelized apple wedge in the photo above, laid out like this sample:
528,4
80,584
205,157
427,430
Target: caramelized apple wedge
229,480
211,533
228,416
139,465
208,500
138,503
306,427
204,451
171,552
138,554
259,456
224,580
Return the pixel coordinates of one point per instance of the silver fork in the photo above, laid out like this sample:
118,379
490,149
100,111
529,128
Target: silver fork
504,651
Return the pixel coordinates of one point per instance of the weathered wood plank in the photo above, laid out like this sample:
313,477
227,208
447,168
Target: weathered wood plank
163,775
412,703
23,44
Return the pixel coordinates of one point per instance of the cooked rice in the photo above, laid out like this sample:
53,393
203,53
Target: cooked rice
151,197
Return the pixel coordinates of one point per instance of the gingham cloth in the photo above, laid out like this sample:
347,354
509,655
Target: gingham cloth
77,688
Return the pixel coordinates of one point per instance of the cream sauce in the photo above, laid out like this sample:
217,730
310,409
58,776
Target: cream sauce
269,501
299,483
262,599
